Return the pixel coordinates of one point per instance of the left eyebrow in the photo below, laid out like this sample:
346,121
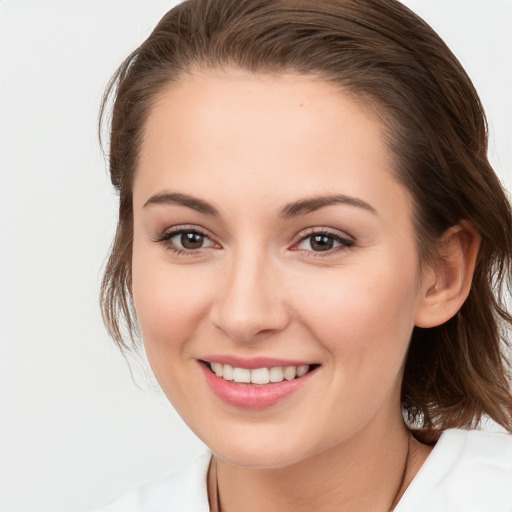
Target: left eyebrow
312,204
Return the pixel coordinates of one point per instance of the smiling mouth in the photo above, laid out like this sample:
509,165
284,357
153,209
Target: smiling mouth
259,376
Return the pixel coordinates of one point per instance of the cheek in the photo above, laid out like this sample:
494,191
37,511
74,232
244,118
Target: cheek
361,313
364,321
170,302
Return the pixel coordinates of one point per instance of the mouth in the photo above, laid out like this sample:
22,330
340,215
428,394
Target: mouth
258,387
259,376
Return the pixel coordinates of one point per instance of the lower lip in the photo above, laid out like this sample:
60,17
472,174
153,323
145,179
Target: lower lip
250,396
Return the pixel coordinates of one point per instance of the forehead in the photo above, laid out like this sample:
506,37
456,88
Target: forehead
241,130
205,107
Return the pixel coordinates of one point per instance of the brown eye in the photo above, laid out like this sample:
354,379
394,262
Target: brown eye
321,242
186,240
324,242
191,240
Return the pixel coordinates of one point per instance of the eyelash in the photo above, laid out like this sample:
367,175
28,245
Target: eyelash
166,237
344,243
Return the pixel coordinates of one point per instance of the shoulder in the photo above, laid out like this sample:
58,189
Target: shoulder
467,471
173,492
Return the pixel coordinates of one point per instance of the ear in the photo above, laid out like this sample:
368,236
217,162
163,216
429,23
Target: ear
447,282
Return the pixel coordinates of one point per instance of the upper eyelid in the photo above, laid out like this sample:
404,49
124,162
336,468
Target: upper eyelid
345,240
175,230
165,235
323,231
165,239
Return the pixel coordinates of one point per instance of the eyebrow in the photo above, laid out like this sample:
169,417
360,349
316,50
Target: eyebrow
183,199
294,209
315,203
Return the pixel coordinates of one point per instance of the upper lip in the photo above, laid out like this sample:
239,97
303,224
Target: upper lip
254,362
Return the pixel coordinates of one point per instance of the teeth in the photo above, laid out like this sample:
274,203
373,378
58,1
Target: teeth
290,372
276,374
259,375
242,375
302,370
227,372
217,368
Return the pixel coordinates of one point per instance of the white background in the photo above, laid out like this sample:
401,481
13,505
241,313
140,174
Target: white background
74,429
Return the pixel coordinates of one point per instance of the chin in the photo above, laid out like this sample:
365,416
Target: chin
263,455
258,459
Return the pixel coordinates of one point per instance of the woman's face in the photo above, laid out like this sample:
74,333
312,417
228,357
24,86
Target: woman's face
270,233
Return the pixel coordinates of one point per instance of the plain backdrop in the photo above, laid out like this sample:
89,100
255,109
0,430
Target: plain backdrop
74,429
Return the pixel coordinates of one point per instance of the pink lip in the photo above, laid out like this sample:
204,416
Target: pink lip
250,396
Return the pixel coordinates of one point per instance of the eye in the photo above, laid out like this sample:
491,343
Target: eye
189,240
185,240
322,241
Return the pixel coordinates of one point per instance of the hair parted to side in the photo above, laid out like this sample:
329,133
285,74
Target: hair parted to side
390,60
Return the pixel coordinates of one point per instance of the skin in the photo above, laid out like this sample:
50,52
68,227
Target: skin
248,146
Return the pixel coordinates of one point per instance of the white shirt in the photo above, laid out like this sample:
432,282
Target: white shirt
467,471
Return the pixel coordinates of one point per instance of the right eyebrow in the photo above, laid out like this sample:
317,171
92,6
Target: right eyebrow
183,199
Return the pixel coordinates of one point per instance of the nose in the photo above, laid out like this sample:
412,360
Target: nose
250,305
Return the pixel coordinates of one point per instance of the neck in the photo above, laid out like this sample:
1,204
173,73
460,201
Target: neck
365,473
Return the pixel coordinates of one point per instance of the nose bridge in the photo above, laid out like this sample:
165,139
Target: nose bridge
250,301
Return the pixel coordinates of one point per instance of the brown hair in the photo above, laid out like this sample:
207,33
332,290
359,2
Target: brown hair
392,61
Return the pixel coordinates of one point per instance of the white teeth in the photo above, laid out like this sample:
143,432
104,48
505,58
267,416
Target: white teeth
217,368
259,376
227,372
302,370
242,375
290,372
276,374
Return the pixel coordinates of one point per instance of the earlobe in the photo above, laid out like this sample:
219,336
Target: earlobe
447,282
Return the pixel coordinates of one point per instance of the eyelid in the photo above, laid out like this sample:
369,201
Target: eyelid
165,238
344,239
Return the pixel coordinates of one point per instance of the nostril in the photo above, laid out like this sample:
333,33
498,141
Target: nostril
248,306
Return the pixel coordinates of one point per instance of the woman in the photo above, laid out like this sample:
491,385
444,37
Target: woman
312,246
